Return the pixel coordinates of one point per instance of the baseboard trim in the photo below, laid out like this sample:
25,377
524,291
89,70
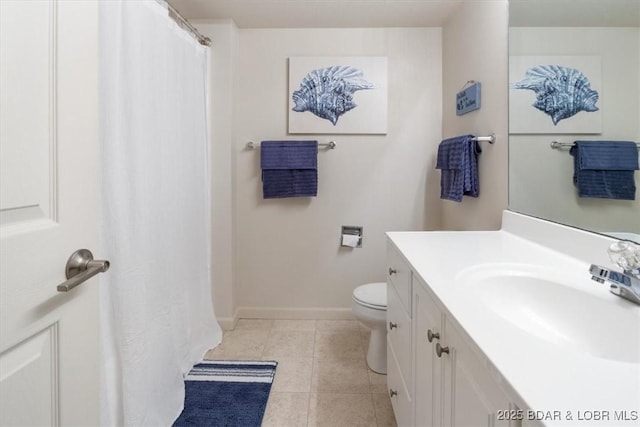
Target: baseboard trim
227,323
294,313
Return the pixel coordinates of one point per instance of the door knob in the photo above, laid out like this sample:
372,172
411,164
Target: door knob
431,335
80,267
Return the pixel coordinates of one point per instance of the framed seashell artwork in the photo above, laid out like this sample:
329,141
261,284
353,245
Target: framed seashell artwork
555,94
337,95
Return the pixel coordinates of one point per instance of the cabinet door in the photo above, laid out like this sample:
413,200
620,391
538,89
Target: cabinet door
428,369
472,398
399,335
398,393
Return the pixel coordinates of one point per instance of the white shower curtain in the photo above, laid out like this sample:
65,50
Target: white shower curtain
156,309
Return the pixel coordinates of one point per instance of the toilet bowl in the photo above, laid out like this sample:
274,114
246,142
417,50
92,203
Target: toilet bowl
370,307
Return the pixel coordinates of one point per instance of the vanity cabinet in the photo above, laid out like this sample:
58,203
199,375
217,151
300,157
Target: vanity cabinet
400,378
444,381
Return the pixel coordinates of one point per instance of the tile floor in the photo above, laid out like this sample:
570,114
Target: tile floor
322,379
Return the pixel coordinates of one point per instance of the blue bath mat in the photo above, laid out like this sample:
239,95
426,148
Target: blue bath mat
226,393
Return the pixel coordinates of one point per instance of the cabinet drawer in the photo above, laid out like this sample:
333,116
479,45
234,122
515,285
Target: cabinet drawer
399,335
400,397
399,276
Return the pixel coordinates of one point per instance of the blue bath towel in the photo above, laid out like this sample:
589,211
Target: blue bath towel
458,163
605,169
289,169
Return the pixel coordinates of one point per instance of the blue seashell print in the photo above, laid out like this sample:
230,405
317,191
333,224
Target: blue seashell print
328,92
561,92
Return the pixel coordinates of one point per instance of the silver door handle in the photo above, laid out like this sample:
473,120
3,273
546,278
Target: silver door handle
80,267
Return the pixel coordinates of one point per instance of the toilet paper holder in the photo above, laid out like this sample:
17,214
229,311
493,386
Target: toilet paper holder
346,237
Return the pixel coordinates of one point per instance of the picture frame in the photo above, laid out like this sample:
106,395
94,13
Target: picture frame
337,95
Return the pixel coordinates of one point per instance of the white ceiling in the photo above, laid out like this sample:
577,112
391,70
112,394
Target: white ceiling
404,13
574,13
321,13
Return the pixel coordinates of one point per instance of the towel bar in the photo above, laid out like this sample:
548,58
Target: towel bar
331,145
490,139
556,145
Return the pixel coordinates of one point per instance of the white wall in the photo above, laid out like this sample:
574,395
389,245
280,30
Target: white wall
541,178
475,48
288,258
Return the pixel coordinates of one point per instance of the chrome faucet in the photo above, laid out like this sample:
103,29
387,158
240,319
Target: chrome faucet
625,285
626,255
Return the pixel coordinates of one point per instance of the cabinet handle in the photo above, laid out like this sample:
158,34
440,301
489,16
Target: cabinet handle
392,271
440,349
392,393
392,325
431,335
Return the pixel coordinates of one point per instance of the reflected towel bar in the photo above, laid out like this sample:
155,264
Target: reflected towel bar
331,145
490,139
560,145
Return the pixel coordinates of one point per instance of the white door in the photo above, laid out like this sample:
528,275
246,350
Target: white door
49,207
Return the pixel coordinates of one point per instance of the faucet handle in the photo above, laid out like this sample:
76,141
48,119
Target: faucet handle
598,273
625,254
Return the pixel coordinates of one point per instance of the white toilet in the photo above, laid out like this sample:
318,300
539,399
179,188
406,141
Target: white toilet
370,307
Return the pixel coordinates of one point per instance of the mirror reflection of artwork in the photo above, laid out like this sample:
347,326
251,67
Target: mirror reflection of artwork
561,92
554,95
337,95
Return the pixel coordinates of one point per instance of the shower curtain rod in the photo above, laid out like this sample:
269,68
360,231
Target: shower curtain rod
186,25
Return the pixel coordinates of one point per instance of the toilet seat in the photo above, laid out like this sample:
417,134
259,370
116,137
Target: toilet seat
371,295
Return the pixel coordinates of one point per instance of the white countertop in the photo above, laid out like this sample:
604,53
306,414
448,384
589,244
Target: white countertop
545,376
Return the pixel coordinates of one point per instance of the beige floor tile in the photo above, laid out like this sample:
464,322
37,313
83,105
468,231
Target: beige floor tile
294,325
365,337
384,410
341,325
363,327
289,344
240,344
253,324
322,377
293,375
341,410
331,344
286,410
340,376
378,382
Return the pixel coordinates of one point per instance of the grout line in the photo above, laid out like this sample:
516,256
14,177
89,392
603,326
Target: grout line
373,404
313,360
264,347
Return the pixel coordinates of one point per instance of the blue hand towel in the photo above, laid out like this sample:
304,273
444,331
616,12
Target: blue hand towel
605,169
458,162
289,169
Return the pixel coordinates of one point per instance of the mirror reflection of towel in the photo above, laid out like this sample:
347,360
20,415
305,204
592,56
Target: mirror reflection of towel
605,169
289,169
458,164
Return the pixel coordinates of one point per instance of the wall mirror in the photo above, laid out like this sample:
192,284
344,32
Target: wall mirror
601,37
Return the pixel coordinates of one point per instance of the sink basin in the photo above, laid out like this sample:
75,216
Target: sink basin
570,311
